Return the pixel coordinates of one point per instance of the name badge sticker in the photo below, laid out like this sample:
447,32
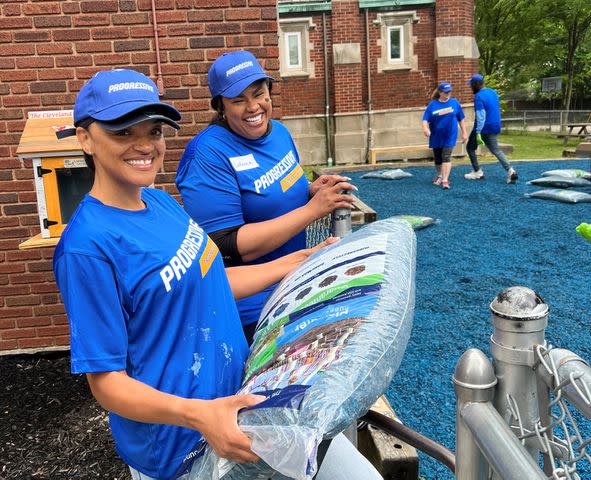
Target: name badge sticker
244,162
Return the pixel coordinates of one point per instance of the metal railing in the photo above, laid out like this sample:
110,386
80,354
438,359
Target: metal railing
543,120
516,417
521,406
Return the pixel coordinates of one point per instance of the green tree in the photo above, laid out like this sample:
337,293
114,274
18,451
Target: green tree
522,41
506,31
572,19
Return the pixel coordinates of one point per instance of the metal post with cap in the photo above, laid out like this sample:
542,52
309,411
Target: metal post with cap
520,317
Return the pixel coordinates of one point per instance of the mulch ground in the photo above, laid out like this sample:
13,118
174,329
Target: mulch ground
50,425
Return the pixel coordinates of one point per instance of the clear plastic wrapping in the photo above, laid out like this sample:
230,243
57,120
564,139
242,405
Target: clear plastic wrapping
328,343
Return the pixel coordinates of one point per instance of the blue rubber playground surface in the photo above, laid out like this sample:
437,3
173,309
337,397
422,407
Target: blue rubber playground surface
490,237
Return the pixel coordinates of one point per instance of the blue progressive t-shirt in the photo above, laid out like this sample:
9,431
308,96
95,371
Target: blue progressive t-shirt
227,181
486,102
443,118
146,292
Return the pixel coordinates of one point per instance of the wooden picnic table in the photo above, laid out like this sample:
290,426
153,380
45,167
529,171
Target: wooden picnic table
584,131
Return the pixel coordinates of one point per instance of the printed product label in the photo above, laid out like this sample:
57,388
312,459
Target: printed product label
310,317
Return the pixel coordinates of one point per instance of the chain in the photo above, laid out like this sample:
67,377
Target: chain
318,231
560,440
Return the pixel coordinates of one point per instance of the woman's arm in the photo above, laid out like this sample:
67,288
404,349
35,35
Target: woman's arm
426,130
250,279
257,239
215,419
464,134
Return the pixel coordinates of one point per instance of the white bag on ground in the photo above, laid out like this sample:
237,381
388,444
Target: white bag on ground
388,174
567,172
328,343
560,182
565,196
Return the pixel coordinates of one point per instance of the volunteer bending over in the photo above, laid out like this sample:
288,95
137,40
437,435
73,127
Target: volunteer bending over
241,179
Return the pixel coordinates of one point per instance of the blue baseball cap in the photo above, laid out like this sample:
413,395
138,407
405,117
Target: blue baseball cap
233,72
476,78
118,99
444,87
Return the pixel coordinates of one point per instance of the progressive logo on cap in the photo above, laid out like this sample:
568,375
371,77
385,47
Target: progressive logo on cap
117,87
238,67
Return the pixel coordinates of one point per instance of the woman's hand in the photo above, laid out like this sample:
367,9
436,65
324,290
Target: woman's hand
327,198
301,255
326,181
426,132
464,137
217,420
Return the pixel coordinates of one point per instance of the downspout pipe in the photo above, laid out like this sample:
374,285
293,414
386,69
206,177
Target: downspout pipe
368,79
329,160
159,81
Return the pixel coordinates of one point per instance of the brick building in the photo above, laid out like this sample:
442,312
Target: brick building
48,49
411,46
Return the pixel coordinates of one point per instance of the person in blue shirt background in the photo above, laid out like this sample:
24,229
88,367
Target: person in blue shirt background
152,315
440,125
487,126
241,178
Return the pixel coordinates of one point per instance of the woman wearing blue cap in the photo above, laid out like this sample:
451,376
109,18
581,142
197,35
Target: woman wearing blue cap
151,308
440,125
241,179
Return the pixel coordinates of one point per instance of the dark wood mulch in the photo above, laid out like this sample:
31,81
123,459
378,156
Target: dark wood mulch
50,425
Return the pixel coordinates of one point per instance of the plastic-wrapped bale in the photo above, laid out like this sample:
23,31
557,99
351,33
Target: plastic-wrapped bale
564,196
327,345
417,222
560,182
567,172
389,174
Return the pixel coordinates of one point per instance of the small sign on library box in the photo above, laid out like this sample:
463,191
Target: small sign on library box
552,84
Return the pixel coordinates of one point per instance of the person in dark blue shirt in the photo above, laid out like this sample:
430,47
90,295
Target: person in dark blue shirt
487,126
440,124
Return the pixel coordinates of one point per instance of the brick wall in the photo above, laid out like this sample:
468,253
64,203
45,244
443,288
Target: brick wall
456,18
48,49
406,88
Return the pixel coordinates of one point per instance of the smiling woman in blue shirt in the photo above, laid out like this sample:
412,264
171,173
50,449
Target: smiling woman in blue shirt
440,125
151,307
241,178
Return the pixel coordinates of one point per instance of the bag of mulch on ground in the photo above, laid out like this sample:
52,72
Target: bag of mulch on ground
565,196
567,172
560,182
327,344
416,221
389,174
